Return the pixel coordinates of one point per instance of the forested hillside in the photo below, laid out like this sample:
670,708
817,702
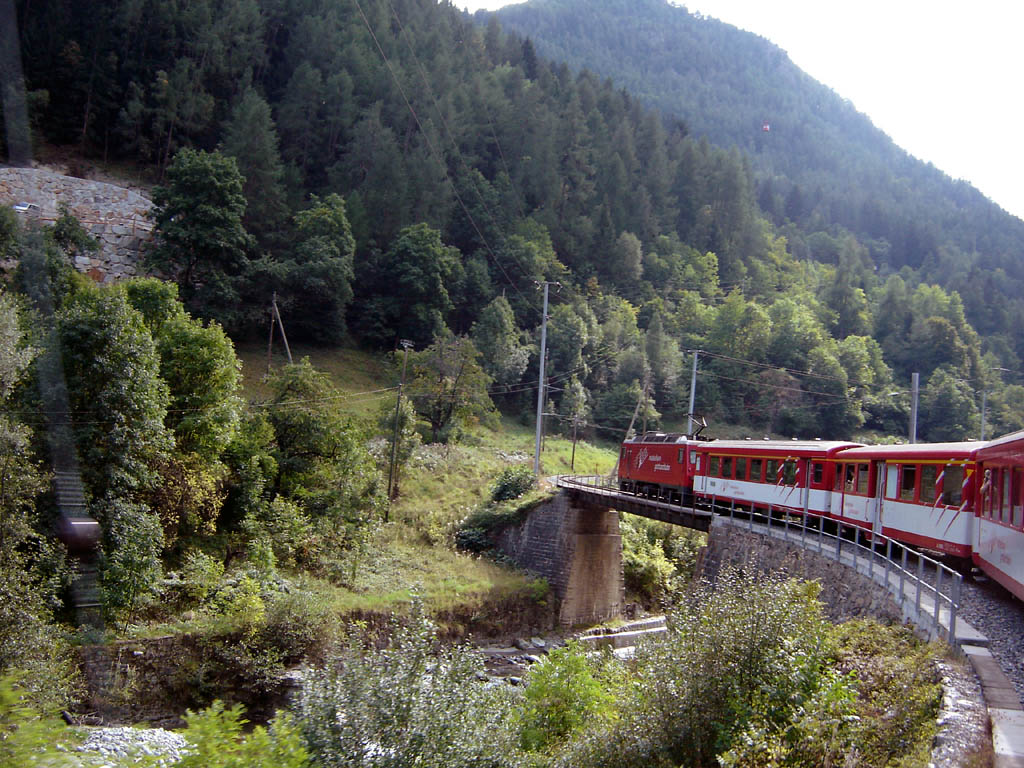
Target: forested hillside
395,170
820,167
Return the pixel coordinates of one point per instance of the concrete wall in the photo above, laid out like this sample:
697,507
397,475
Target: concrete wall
114,215
846,593
578,549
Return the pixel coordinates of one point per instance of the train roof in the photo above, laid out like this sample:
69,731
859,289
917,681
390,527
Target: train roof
814,447
661,437
960,450
1011,437
1000,444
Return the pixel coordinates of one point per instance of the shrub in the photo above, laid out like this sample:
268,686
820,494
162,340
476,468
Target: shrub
563,692
217,741
513,482
26,736
201,574
408,704
746,658
899,690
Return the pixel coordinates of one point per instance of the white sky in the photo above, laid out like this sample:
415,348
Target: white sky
943,79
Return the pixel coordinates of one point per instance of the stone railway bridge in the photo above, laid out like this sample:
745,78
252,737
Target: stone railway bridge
573,541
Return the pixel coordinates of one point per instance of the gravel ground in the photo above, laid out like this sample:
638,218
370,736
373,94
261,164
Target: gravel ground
118,743
995,613
963,719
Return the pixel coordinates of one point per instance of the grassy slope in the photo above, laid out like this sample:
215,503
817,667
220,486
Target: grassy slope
440,487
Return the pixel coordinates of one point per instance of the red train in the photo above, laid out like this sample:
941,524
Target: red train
965,499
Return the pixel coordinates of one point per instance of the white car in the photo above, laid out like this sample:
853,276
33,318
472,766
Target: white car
30,209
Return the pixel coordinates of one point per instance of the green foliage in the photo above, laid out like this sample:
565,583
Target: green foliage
563,693
947,410
513,482
217,740
187,496
113,376
752,652
26,736
69,235
200,240
203,375
32,570
322,460
201,574
646,569
409,704
130,565
250,137
33,647
502,353
898,689
283,525
449,387
408,438
241,606
416,280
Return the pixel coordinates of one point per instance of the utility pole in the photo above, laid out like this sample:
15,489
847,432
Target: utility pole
275,313
693,391
394,443
540,380
984,399
647,387
572,461
915,386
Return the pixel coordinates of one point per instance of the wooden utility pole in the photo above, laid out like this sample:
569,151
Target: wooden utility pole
392,468
275,314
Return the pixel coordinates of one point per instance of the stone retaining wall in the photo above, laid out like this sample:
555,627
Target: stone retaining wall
845,593
115,216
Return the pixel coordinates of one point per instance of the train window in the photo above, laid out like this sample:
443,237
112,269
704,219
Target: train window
953,485
862,479
819,471
837,484
851,478
771,471
987,494
908,481
789,472
713,466
756,465
741,469
892,476
680,456
1018,508
1004,515
727,466
929,473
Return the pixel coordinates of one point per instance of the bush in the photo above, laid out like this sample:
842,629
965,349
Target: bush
747,657
408,704
26,736
217,741
563,693
201,574
513,482
899,689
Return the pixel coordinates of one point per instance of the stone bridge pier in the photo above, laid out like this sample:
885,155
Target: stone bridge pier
577,547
